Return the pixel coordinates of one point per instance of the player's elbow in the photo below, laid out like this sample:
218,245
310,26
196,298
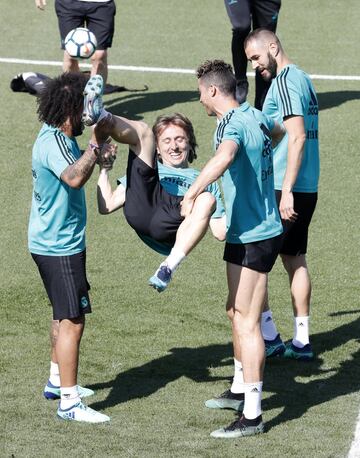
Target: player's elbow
76,184
103,210
220,236
302,138
103,207
218,228
298,139
73,181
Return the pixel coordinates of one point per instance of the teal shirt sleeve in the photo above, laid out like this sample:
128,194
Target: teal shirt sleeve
288,97
57,157
235,132
122,180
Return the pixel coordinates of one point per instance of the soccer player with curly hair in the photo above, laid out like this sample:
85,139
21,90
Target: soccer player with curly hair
56,235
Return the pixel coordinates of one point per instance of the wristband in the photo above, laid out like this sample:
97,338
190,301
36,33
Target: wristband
94,148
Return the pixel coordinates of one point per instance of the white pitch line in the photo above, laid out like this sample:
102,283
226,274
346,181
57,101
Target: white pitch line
133,68
355,445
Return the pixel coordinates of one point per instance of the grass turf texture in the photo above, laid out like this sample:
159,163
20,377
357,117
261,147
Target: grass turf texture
154,359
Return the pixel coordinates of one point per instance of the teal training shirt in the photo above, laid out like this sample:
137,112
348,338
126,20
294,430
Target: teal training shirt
58,212
292,94
248,186
176,181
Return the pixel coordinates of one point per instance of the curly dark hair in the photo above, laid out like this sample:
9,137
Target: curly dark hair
62,98
179,120
218,73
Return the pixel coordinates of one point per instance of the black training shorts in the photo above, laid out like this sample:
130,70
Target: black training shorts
149,208
98,17
295,235
259,256
64,278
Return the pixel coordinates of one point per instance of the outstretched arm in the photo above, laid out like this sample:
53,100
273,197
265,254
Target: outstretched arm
77,174
109,200
213,169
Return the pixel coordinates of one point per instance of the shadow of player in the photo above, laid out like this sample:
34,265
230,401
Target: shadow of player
296,396
132,104
193,363
287,379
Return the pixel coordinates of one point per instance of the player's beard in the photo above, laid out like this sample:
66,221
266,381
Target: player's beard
271,68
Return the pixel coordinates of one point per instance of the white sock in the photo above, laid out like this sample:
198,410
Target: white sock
69,396
252,405
268,327
174,259
301,331
238,380
54,374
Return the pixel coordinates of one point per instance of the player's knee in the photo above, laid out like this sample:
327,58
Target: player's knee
230,309
292,263
209,201
70,64
144,130
72,326
241,32
244,324
230,314
206,202
99,60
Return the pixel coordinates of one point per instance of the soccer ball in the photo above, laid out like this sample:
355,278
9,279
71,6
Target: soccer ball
80,43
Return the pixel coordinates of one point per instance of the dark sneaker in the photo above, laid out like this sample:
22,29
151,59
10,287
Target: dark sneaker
227,400
274,347
92,100
302,354
161,279
242,88
240,427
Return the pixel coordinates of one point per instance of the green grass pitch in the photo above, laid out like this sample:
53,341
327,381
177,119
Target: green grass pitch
154,359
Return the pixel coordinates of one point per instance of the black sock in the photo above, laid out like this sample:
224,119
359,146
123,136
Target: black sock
238,396
252,422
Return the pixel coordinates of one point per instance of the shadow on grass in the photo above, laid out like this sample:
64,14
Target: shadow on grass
134,104
334,99
143,381
297,397
141,102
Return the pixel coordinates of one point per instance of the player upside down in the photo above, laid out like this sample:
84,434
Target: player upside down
157,177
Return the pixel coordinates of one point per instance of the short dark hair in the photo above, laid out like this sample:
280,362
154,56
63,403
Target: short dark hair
218,73
179,120
62,98
261,34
